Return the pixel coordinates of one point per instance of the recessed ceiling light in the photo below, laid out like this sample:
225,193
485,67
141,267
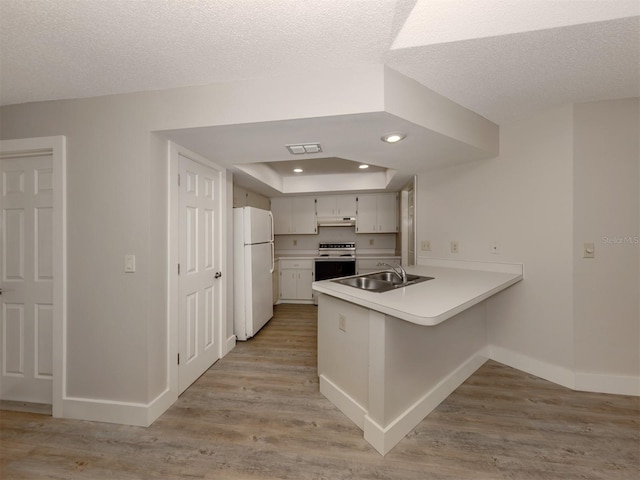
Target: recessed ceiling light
363,166
393,137
297,170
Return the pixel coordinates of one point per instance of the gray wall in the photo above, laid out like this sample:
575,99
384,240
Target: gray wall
606,212
563,177
117,204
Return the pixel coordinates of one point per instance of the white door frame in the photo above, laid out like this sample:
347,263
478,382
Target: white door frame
173,231
56,147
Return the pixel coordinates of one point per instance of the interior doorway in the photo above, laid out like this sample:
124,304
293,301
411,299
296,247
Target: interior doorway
32,270
197,239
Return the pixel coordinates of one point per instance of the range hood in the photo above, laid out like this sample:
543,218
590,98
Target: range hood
336,221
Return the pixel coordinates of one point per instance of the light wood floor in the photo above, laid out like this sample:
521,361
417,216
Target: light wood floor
257,414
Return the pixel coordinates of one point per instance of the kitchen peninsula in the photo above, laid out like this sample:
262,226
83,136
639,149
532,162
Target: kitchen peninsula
386,360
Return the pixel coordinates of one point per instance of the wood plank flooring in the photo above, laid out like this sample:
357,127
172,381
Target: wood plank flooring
257,414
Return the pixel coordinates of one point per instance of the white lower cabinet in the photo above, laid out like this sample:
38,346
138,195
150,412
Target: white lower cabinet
296,277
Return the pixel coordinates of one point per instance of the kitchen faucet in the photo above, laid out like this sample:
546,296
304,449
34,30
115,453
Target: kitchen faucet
398,270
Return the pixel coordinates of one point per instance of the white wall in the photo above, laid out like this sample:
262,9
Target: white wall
606,211
521,199
563,177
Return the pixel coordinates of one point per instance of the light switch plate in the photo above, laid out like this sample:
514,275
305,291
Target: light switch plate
589,250
129,263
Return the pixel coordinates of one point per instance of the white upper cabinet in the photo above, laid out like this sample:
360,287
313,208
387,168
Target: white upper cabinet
377,213
336,206
294,215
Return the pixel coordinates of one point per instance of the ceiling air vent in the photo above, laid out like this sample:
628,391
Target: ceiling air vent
301,148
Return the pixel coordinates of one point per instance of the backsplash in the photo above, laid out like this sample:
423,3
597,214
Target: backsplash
365,243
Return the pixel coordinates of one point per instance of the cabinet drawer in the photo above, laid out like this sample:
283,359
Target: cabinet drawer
284,264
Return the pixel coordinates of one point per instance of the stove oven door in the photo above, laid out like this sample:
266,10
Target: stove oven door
326,268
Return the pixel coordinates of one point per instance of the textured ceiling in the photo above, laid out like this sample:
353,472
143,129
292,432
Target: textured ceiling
500,58
510,76
504,59
75,48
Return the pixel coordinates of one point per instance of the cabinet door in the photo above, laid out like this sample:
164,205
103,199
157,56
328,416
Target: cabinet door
326,206
367,218
305,278
304,215
288,283
281,208
388,212
346,205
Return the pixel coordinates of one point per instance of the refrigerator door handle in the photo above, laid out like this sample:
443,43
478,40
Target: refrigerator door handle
273,258
272,232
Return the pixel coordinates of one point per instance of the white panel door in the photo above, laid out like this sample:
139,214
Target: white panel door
26,272
200,260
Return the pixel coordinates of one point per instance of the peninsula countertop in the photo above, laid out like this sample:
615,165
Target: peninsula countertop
455,287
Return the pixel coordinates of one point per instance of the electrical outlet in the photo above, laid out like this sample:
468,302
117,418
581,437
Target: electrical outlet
589,250
371,241
426,245
295,242
342,322
454,246
494,248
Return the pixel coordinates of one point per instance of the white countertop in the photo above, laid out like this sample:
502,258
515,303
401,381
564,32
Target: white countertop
452,290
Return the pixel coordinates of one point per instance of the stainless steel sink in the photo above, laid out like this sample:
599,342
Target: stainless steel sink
364,283
380,282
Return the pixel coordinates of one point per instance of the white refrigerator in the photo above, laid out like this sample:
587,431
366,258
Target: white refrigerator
253,264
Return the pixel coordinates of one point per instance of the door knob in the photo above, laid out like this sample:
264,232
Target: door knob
218,275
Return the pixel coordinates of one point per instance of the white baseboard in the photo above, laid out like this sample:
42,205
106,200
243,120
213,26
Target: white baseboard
230,344
160,405
616,384
345,403
124,413
384,439
586,382
553,373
